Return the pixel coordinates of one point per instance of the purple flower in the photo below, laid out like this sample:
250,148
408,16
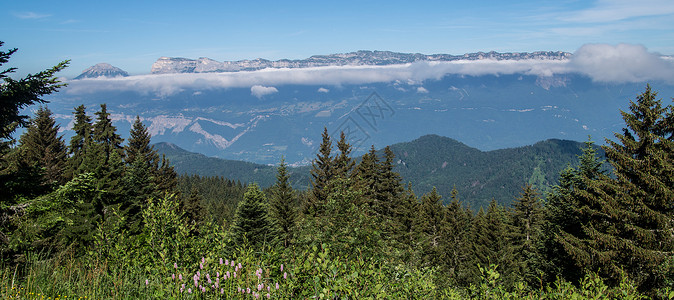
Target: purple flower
189,290
238,288
277,285
240,267
147,282
173,276
268,296
222,291
217,274
220,260
285,275
268,289
231,263
198,274
248,290
203,260
226,262
180,276
175,265
281,267
259,287
201,266
234,274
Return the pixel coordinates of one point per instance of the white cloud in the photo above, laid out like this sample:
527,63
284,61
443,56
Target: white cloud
323,90
422,90
601,62
30,15
617,10
261,91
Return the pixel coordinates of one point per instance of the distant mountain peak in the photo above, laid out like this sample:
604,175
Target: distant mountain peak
102,69
165,65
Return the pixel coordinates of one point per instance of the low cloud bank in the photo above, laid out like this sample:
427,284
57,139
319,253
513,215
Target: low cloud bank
601,62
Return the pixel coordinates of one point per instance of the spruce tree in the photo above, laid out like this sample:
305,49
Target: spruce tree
456,243
343,162
626,221
491,241
105,134
527,220
44,148
281,210
82,138
322,172
430,224
251,223
193,210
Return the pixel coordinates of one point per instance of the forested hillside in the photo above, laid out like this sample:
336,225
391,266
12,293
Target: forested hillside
427,162
100,217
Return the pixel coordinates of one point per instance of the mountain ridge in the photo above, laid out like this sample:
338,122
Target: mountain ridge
167,65
102,70
426,162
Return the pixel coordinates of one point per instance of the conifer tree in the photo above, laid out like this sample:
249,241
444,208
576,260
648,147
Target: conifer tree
430,224
455,242
166,178
82,138
105,134
322,172
343,162
251,223
367,179
527,219
626,221
193,210
282,213
44,148
491,241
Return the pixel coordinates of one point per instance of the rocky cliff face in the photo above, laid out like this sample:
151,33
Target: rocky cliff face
203,65
102,69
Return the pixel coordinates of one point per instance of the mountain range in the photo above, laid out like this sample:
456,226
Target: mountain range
426,162
102,70
359,58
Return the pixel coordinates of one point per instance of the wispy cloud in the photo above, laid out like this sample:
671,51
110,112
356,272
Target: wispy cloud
618,10
601,62
31,15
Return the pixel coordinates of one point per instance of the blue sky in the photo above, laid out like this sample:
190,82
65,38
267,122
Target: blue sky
133,34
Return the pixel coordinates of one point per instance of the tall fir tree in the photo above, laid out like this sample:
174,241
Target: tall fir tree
44,148
626,221
343,162
430,224
251,222
281,207
105,134
455,242
322,172
527,221
78,142
491,242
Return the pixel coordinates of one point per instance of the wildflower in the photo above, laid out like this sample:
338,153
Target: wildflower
221,260
281,267
173,276
231,263
147,282
198,274
182,289
217,274
238,288
222,291
189,290
203,289
234,274
201,266
175,265
248,290
259,287
227,274
285,275
268,296
180,277
203,260
268,289
226,262
240,267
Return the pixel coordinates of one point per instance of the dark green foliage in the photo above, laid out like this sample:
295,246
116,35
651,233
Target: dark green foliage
80,140
105,135
16,95
220,196
491,236
456,242
251,223
43,148
322,172
625,222
429,225
193,210
527,220
343,162
282,207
